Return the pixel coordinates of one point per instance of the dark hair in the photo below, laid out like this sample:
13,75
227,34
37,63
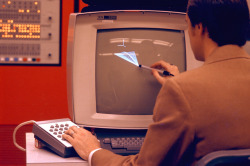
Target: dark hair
227,21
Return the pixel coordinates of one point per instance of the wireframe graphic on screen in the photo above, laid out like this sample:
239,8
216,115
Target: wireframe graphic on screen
131,57
128,56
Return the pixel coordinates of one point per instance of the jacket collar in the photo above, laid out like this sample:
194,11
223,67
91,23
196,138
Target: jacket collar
226,52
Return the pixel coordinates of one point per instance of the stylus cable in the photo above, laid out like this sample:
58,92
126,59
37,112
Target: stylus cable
15,130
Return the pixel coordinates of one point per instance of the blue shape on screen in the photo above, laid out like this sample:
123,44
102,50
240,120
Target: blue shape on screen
128,56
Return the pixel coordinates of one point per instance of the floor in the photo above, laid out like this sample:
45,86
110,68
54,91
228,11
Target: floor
9,154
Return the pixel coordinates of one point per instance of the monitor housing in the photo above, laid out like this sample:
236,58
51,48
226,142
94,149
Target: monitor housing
98,81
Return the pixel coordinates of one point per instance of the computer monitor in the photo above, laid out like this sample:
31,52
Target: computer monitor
105,91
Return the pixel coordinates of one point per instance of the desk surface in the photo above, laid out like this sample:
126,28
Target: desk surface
40,157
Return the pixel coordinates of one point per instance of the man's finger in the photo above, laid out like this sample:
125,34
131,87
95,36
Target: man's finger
68,138
159,78
74,128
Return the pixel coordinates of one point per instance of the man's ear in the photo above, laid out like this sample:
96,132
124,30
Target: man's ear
197,29
201,29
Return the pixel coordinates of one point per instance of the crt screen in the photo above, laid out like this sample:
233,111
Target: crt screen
123,88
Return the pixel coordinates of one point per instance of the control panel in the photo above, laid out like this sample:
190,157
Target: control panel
30,32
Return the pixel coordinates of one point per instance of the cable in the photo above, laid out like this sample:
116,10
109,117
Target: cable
14,133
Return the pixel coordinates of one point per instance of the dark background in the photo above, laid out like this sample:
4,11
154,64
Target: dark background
167,5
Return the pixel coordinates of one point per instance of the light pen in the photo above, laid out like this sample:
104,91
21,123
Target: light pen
163,72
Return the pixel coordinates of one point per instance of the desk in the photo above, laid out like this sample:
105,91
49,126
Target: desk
40,157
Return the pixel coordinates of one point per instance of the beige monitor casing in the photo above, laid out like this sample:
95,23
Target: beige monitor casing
81,56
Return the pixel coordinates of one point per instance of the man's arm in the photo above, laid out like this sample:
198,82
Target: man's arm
167,138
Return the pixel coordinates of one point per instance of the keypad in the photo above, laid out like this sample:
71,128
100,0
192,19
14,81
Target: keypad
58,129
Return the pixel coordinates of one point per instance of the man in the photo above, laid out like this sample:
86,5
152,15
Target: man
199,111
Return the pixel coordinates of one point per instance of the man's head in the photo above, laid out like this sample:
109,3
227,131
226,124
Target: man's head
226,21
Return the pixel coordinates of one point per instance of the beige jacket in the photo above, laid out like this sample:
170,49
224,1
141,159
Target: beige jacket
197,112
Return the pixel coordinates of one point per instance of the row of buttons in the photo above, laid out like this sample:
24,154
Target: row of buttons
129,143
11,59
59,129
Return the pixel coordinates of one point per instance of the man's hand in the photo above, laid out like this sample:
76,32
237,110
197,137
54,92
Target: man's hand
82,140
166,66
